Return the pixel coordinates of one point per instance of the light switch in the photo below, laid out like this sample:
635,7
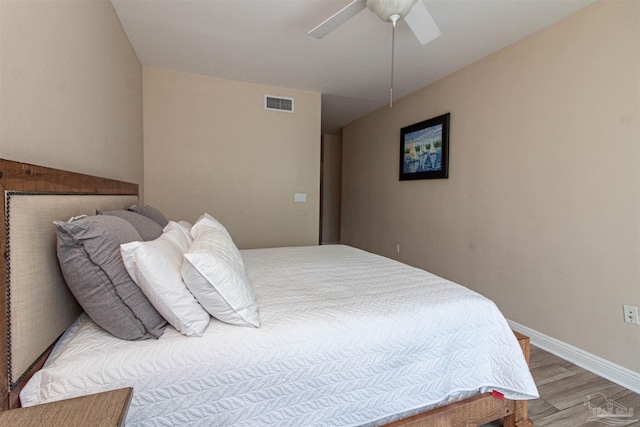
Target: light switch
300,198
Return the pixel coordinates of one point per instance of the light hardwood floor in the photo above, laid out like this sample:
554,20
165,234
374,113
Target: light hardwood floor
564,388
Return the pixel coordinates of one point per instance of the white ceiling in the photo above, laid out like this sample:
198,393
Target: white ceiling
266,42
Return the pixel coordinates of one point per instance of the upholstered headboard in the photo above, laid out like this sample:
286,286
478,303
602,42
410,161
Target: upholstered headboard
35,303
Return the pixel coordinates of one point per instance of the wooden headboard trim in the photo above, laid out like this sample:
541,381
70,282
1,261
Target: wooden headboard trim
23,177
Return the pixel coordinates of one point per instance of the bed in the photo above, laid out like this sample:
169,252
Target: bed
341,343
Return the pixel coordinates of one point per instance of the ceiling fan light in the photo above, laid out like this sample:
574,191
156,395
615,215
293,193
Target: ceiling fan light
386,8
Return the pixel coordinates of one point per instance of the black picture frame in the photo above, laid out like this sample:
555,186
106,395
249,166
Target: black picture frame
424,149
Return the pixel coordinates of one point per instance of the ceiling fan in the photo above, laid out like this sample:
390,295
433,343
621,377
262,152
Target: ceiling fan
414,12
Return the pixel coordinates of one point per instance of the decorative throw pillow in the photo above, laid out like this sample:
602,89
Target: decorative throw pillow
151,213
89,256
147,228
155,266
214,273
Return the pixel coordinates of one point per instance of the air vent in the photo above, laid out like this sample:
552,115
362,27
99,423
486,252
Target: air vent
278,103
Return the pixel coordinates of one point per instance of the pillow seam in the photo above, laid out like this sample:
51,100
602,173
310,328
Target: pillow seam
112,288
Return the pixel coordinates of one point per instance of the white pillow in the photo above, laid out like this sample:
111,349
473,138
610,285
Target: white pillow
207,221
214,272
155,267
187,226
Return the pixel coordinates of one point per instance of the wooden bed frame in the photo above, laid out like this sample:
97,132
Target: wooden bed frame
18,177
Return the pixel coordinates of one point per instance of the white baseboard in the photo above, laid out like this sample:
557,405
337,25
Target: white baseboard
599,366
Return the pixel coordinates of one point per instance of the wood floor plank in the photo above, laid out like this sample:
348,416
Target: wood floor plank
539,357
540,408
630,400
573,417
544,374
573,390
580,415
564,388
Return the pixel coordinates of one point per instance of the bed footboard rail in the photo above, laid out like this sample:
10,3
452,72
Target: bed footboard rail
477,410
520,416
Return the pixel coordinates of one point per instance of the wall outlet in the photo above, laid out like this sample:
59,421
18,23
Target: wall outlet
631,314
397,248
300,197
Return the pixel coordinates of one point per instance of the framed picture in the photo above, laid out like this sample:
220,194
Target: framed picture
424,149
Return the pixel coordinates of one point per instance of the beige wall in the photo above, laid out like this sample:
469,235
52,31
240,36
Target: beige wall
541,211
331,187
211,146
70,88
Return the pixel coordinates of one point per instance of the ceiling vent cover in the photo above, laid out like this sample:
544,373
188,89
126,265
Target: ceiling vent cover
278,103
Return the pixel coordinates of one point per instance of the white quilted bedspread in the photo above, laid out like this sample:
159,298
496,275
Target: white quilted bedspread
347,338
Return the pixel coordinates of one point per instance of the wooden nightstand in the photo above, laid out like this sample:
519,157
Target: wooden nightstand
108,409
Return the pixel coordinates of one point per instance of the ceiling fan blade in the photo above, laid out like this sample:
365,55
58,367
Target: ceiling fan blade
422,24
339,18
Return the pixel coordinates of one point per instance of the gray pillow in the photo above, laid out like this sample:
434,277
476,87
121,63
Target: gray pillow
90,260
148,229
151,213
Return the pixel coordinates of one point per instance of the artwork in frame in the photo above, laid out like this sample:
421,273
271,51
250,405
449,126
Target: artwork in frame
424,149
